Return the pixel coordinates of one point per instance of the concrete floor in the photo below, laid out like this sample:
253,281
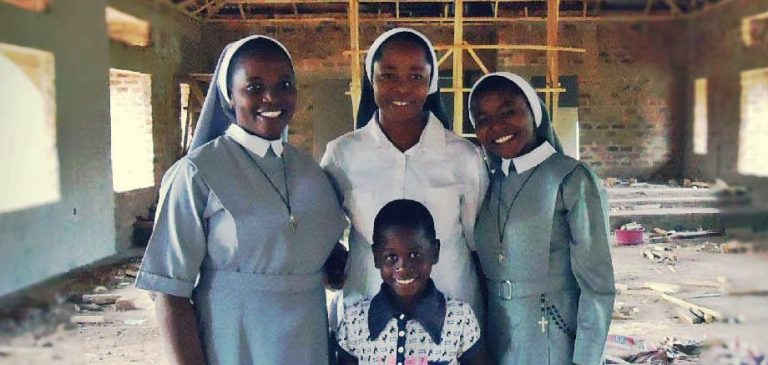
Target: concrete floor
132,336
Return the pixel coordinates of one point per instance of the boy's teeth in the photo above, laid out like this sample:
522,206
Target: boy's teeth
405,282
274,114
504,139
400,103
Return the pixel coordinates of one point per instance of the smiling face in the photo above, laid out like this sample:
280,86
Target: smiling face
401,79
263,93
404,257
503,122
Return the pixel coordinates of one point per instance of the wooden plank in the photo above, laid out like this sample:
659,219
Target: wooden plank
707,311
477,59
435,21
553,15
101,298
686,316
530,47
194,87
87,319
662,287
353,14
458,67
444,57
214,10
703,283
207,5
741,292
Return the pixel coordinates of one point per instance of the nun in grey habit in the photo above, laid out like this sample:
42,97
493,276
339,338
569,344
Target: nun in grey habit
243,228
542,238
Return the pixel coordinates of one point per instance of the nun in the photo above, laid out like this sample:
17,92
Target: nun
244,225
542,234
402,149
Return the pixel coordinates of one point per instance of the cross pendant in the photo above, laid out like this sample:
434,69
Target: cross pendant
292,222
501,258
543,322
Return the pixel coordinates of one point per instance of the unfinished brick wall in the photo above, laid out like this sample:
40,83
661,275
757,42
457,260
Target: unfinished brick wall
628,80
717,52
627,90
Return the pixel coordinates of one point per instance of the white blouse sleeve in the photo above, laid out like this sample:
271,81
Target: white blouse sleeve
178,244
477,184
333,169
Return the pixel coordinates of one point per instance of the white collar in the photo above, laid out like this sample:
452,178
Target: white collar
529,160
433,135
254,143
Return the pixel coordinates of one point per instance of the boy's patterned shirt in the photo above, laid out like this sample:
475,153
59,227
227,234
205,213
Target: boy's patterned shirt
421,338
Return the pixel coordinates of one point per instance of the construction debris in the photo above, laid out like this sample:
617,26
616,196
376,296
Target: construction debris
674,351
662,287
101,298
723,188
709,315
88,307
125,305
733,353
134,322
631,226
709,247
736,246
621,311
81,319
671,351
699,185
660,256
702,283
693,234
687,316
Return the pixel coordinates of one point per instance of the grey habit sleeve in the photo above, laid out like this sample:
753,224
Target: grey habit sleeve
585,201
178,244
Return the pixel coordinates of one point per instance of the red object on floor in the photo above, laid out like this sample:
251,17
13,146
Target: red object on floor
626,237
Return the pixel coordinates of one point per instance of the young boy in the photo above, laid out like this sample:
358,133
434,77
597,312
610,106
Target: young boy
409,321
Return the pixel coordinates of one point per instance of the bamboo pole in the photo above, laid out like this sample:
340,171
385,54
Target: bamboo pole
354,41
553,12
477,59
530,47
458,66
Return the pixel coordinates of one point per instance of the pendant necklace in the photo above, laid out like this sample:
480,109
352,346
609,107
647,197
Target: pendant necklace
503,226
292,222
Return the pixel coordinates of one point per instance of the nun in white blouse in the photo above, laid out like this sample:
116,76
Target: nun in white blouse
402,149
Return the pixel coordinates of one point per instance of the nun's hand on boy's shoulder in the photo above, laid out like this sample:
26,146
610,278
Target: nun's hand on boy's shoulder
334,270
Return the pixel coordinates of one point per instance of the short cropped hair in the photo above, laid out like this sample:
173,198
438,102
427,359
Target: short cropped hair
403,213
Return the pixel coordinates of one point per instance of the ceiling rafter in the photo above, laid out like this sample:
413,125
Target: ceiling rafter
435,11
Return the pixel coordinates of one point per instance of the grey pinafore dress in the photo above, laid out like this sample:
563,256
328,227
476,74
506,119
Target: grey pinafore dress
222,238
550,299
